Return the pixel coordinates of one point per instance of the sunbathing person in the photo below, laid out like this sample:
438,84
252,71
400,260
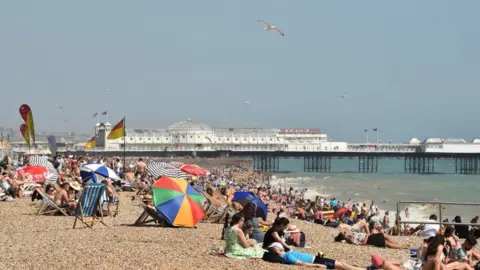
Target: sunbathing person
378,239
379,263
50,190
236,242
276,234
306,259
435,258
357,235
249,216
111,195
61,197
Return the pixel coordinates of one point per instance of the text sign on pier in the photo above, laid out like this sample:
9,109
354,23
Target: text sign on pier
299,131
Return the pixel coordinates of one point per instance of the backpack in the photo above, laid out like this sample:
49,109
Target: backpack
296,239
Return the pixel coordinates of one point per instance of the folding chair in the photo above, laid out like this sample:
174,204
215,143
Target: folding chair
89,210
49,207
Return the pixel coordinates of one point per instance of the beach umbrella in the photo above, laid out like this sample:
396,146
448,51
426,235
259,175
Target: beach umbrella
193,170
178,202
176,164
245,198
158,169
89,171
39,173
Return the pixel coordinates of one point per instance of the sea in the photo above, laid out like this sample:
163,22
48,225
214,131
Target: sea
389,186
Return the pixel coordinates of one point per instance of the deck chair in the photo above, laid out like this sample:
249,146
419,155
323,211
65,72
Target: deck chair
28,189
89,210
48,206
143,188
216,213
149,215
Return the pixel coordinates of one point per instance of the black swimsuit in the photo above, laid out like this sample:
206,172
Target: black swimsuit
376,239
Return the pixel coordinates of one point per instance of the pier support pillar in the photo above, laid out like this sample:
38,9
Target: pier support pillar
467,165
266,163
419,164
368,164
317,164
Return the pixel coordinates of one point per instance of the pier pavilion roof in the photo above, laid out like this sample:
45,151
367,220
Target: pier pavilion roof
188,126
137,132
454,140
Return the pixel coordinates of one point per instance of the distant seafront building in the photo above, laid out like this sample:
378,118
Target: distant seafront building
192,137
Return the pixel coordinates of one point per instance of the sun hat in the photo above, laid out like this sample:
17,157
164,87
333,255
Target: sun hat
275,244
75,185
377,260
292,229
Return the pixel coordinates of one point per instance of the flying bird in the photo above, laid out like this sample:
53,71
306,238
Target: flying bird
247,102
109,90
343,96
60,107
269,27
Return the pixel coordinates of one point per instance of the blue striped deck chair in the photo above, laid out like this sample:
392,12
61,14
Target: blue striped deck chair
49,207
105,204
89,209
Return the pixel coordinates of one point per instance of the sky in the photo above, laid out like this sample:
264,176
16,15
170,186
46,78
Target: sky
410,68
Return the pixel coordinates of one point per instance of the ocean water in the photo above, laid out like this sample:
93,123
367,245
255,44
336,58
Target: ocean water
390,185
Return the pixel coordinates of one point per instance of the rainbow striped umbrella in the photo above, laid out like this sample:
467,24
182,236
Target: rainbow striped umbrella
178,202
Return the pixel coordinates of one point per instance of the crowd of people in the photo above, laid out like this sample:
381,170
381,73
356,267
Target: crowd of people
276,240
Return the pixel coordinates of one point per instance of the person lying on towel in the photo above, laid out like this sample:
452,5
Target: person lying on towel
306,259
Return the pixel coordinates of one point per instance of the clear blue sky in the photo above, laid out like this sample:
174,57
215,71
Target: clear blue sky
410,68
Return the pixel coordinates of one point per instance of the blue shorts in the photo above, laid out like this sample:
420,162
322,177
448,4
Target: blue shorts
329,263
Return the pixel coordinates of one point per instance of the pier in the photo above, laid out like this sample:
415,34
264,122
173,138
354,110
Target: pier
269,148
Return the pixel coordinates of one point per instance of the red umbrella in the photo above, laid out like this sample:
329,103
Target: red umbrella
193,170
38,173
340,212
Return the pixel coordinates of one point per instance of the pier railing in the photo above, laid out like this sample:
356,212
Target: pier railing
440,212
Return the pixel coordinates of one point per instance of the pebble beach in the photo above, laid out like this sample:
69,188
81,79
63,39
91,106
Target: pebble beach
30,241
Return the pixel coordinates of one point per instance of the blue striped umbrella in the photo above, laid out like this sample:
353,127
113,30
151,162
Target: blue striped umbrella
89,171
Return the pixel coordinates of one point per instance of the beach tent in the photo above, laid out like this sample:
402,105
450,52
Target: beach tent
245,198
90,171
178,202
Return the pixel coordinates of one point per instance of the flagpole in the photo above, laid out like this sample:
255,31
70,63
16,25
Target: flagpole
106,117
124,144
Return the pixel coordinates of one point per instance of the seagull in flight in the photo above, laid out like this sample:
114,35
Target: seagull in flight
109,90
60,107
343,96
247,102
269,27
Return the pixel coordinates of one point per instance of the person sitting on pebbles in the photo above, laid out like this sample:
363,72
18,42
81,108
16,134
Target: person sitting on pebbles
306,259
62,198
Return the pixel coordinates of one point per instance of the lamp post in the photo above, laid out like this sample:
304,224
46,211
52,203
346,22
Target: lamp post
376,133
366,135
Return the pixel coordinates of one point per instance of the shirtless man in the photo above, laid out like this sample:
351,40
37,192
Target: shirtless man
61,197
364,210
140,168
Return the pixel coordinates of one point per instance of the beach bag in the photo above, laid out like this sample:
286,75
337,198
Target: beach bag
413,264
296,239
